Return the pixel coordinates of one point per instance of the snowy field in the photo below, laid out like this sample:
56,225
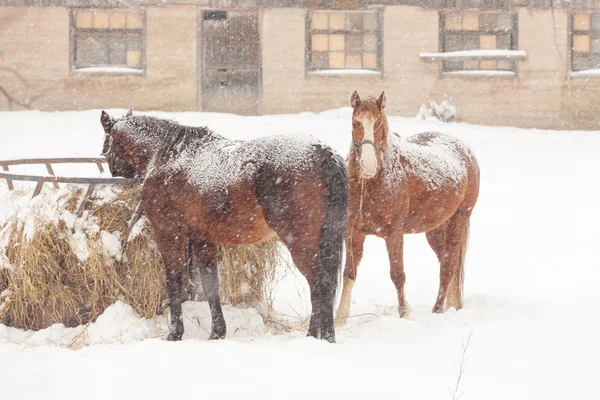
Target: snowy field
532,306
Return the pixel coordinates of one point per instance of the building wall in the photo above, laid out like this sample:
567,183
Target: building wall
542,95
35,43
286,86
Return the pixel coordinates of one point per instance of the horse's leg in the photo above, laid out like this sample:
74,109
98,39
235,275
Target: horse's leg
354,252
436,241
395,248
304,239
454,236
205,257
172,247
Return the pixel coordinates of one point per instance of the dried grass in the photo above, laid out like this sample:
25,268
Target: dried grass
48,284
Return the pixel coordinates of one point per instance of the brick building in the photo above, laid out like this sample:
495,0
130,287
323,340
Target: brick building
527,63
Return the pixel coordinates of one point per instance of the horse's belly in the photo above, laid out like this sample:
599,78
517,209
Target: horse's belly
240,221
427,211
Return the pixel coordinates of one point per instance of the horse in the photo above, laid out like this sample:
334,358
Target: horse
203,190
428,182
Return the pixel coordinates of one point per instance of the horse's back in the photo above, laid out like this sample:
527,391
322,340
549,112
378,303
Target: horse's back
441,175
437,159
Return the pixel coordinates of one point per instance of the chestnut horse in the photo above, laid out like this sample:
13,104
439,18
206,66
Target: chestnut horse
205,190
428,182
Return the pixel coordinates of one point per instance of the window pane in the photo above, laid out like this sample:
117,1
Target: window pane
354,43
453,21
134,21
487,64
101,19
471,22
319,42
596,22
507,65
503,42
581,43
134,43
337,60
118,50
471,64
134,58
489,21
370,42
370,22
319,21
336,42
354,60
91,51
594,61
84,19
471,42
595,45
581,61
487,42
581,22
453,65
504,22
118,20
370,60
337,21
453,43
320,60
354,22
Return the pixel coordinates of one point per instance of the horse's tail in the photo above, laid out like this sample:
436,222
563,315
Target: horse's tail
456,291
333,231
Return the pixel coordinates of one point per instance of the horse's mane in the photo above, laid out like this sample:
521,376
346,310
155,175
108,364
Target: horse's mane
172,137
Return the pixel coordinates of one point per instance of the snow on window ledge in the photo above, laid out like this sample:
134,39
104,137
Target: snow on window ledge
342,72
109,70
474,55
586,73
481,72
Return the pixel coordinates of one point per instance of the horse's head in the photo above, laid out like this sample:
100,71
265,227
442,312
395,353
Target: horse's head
369,132
114,148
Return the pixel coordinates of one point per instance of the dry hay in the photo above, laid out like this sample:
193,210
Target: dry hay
46,280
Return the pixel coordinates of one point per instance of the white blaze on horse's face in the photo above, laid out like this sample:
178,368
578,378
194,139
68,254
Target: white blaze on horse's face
368,153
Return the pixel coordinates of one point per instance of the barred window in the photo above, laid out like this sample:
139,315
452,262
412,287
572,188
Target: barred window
585,41
344,40
472,31
108,39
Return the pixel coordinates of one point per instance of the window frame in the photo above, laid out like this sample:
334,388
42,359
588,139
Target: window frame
378,71
105,69
514,45
589,32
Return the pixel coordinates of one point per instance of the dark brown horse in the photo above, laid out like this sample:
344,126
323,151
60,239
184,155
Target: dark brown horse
203,189
428,182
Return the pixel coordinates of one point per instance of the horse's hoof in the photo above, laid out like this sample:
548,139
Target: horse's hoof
340,322
438,309
218,332
216,336
404,311
174,337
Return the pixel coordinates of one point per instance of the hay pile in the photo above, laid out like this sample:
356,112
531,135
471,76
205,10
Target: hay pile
56,267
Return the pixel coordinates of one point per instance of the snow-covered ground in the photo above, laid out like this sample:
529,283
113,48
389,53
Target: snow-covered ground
532,308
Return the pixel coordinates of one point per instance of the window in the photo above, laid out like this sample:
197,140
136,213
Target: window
344,40
477,31
585,41
108,41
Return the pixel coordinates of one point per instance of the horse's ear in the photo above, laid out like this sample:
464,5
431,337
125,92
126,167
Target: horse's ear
354,99
382,100
107,121
129,112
